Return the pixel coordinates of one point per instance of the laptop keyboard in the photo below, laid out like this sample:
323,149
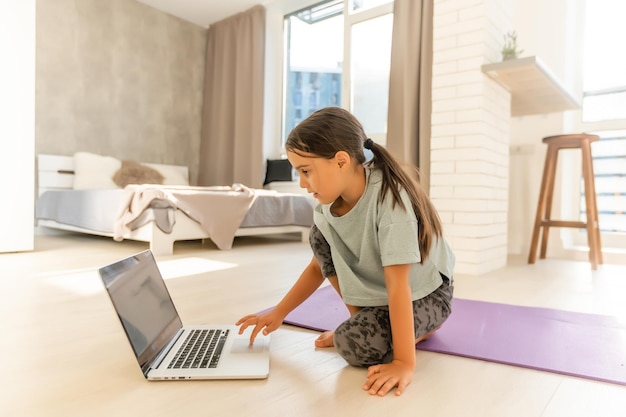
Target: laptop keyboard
201,349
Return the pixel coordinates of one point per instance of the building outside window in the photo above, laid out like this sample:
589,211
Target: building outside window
337,53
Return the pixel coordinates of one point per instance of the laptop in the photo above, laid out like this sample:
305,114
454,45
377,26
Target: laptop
164,348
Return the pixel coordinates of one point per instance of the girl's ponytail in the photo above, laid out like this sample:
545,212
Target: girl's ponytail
395,178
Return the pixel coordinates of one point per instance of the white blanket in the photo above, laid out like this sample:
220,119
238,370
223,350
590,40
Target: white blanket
218,210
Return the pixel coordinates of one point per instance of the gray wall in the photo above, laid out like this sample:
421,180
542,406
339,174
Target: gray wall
116,77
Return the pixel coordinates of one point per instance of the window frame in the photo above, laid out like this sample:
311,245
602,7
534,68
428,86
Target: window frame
350,18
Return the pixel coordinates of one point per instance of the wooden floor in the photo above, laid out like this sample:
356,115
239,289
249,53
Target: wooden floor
65,354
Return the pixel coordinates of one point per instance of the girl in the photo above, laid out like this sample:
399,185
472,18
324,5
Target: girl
378,240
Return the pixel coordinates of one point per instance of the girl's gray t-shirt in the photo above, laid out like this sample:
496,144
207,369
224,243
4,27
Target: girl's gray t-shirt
374,234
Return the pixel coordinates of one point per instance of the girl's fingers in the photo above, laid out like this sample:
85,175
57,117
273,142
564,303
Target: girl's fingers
372,370
401,387
244,322
379,385
255,331
264,323
244,319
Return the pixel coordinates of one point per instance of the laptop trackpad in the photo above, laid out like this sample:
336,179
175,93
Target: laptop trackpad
243,346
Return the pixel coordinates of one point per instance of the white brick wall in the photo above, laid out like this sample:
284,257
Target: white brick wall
470,132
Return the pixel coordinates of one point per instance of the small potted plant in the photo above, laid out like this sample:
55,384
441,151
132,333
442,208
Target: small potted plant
509,49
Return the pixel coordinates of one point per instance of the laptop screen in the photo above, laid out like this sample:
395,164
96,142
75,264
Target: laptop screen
143,304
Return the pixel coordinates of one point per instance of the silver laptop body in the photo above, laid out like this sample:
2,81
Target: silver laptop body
156,333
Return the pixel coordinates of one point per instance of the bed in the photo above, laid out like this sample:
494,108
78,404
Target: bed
75,193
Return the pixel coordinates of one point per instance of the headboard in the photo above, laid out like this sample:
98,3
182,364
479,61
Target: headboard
56,172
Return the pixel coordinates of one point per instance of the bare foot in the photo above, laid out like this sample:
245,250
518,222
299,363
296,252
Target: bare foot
427,335
325,339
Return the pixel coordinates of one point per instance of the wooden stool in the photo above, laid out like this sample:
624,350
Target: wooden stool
544,206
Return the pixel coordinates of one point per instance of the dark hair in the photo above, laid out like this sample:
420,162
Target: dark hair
333,129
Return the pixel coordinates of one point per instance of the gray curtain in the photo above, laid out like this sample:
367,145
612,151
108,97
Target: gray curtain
231,148
410,81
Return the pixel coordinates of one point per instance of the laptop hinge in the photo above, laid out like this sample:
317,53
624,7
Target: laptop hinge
163,353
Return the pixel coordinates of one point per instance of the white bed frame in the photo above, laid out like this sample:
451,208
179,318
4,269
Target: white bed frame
56,172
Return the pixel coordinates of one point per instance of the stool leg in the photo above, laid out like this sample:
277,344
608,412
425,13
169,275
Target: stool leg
595,205
541,206
554,156
597,223
593,235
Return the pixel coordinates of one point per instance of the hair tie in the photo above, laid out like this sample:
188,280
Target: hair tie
368,144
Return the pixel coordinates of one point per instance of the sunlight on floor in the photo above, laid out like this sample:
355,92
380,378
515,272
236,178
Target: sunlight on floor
83,282
177,268
87,282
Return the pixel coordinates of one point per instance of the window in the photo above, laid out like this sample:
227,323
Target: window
313,61
604,82
370,61
337,59
604,114
609,165
360,5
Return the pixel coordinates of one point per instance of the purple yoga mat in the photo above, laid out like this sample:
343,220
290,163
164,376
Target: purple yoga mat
583,345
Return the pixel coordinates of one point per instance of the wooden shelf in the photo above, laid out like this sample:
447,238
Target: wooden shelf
533,87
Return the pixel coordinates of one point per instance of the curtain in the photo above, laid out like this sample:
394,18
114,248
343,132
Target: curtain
410,80
231,148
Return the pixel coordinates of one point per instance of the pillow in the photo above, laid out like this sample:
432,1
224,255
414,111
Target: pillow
277,170
94,171
172,174
133,172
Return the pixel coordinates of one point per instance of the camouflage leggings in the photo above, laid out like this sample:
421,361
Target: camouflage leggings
365,338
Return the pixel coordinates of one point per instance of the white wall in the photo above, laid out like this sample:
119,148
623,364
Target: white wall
17,130
470,136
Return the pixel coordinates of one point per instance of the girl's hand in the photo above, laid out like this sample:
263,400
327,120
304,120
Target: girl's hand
267,322
382,378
